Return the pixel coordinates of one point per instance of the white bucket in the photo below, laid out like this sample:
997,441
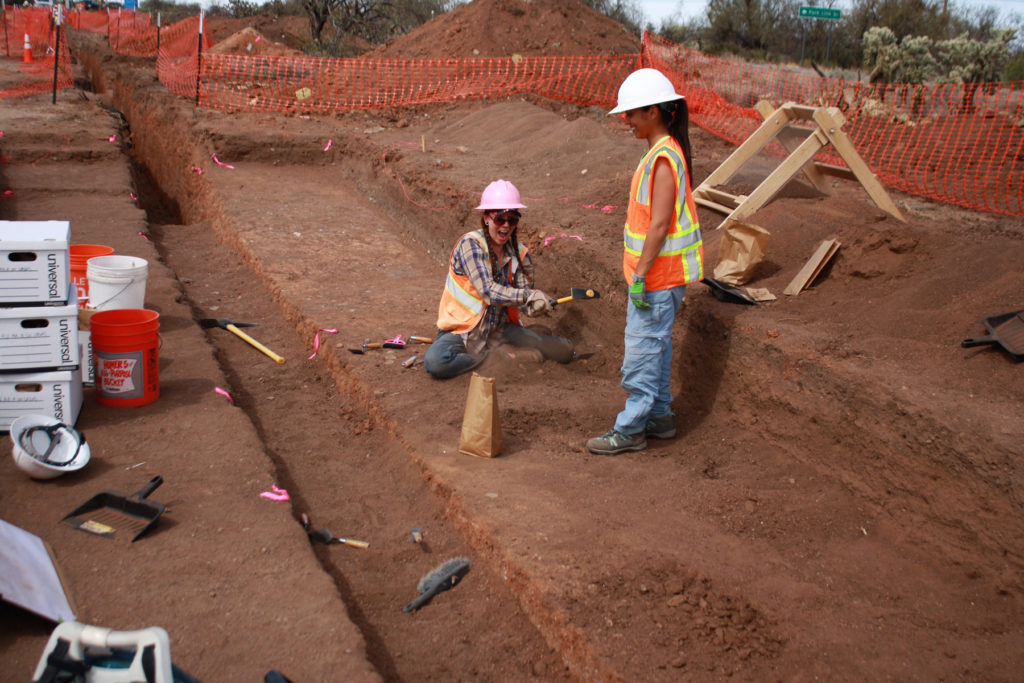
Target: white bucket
116,282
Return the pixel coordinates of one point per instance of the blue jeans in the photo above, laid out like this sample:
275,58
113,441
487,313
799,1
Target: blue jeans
647,361
448,357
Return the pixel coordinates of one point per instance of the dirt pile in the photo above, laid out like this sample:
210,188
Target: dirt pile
290,31
497,28
249,41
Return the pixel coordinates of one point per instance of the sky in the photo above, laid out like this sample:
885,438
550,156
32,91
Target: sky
658,10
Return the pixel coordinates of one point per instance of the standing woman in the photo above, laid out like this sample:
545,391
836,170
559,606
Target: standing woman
663,253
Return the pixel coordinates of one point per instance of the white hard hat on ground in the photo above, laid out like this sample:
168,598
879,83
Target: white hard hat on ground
45,448
501,194
644,87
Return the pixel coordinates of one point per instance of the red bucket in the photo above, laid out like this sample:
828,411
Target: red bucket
79,255
125,345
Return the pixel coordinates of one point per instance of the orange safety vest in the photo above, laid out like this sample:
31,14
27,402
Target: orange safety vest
462,306
681,260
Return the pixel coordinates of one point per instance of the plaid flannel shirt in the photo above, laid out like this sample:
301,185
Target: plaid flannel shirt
471,260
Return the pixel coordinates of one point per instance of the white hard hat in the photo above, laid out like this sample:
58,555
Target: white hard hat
45,448
644,87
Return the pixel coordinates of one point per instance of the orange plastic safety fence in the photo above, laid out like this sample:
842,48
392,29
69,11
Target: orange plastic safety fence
96,22
132,33
957,143
238,82
177,65
35,23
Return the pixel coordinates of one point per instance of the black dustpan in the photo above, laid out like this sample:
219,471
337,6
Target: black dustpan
1007,330
114,515
728,293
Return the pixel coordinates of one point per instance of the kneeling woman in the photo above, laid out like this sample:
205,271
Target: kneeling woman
490,277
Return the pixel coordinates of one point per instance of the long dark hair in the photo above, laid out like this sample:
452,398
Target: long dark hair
676,116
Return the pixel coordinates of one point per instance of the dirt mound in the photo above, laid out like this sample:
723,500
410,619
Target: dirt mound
291,31
249,41
496,28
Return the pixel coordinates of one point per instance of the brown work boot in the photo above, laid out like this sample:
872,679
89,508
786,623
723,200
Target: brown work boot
615,442
663,427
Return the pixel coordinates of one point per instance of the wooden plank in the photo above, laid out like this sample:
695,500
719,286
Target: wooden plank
836,171
778,178
723,197
801,111
790,140
714,206
827,121
746,151
822,255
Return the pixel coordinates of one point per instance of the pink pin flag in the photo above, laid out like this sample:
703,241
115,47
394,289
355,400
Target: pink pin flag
112,138
316,340
197,170
219,162
224,394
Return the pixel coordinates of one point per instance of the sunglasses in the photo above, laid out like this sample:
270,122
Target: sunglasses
509,218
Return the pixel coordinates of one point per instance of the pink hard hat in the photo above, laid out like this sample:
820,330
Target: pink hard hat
501,194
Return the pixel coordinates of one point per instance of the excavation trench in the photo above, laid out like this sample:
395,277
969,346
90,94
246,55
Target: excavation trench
813,496
392,498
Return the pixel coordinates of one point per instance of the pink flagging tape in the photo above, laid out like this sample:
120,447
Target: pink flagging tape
197,170
316,340
329,143
607,208
549,240
220,163
276,493
224,394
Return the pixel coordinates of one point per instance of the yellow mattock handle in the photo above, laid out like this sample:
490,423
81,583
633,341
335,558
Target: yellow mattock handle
255,343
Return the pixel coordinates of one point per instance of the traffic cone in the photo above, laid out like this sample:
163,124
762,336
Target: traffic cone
26,57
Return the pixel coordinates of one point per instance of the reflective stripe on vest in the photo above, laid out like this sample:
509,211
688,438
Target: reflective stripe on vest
681,259
462,306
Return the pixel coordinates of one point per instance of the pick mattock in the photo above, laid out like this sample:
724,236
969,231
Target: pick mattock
231,326
577,293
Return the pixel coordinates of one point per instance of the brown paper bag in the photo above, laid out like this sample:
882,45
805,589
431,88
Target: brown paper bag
481,424
739,252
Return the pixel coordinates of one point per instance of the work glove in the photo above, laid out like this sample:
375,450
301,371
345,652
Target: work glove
638,293
538,303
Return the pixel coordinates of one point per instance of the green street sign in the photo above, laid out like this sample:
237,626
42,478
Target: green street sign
819,12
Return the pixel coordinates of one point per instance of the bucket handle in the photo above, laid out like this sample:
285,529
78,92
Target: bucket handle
116,294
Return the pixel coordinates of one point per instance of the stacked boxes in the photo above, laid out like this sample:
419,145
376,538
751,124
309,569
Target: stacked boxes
40,357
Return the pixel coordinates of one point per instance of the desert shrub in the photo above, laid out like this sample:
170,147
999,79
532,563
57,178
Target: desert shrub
1015,70
244,8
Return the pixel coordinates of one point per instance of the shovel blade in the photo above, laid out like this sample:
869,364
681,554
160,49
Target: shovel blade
584,293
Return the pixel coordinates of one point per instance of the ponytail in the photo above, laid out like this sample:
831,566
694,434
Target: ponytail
676,115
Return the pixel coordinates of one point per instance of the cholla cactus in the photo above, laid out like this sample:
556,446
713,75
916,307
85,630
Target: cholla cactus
974,61
881,53
917,65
